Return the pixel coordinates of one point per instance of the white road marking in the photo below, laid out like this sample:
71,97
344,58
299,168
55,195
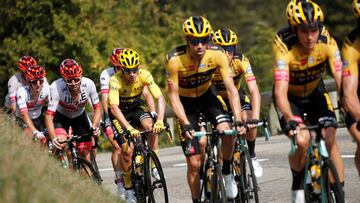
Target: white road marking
179,165
347,156
105,169
263,160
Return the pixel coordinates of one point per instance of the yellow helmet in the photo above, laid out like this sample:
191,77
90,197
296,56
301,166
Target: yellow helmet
197,26
225,37
307,13
290,11
129,59
356,7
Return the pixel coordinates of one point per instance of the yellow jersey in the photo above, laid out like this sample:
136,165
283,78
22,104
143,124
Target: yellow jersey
240,68
192,80
351,54
128,95
304,71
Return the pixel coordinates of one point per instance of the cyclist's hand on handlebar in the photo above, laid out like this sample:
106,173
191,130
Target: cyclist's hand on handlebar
240,127
95,131
290,127
134,132
158,126
252,123
39,135
188,130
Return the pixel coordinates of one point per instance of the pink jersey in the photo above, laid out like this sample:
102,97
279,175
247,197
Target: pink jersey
61,100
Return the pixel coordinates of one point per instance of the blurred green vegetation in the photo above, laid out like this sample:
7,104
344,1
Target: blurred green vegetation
52,30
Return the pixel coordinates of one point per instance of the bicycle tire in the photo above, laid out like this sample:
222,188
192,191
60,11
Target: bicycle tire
138,181
85,167
218,193
249,190
157,189
334,194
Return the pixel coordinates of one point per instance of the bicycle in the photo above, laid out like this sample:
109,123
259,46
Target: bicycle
80,164
243,169
319,168
213,186
147,188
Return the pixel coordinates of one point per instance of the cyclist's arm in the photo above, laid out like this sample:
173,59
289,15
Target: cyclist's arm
21,95
157,94
350,79
94,97
149,99
255,98
173,91
335,63
104,90
104,102
12,94
49,116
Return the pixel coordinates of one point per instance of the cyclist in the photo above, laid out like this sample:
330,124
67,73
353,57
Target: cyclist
104,90
68,97
30,101
127,110
351,56
299,87
190,68
240,68
18,80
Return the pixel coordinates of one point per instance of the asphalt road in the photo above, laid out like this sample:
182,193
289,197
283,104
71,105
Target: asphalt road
275,183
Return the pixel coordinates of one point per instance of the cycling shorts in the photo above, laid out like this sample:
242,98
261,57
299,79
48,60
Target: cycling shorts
244,100
134,116
317,105
38,123
80,125
208,105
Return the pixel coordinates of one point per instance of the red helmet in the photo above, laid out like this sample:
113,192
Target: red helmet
25,62
35,73
115,55
69,69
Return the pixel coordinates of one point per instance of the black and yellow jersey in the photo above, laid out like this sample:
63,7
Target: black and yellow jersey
192,80
240,68
351,54
304,71
128,95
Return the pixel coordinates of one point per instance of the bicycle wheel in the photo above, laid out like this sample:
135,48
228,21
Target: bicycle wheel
335,193
157,190
218,193
249,189
84,167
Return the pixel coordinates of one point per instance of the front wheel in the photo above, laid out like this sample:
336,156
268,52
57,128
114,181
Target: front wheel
84,167
334,193
155,179
218,193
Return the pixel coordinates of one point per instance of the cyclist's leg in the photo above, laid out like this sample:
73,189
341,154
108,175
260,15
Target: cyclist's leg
351,125
61,126
322,108
81,126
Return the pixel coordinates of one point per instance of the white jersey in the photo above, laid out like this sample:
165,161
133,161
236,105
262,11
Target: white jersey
105,79
61,100
26,102
14,83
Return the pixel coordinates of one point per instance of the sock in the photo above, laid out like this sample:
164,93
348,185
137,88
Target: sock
226,167
298,179
127,179
251,145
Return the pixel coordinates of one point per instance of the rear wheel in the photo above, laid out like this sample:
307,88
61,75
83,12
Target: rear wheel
249,187
157,189
87,169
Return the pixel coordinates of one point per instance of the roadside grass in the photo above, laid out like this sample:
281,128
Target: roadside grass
29,174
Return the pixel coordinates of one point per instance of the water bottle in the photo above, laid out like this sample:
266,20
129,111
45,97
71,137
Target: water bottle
51,147
208,179
139,162
315,172
316,187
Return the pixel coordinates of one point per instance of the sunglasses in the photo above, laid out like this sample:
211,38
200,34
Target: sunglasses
196,41
35,82
230,49
129,71
72,81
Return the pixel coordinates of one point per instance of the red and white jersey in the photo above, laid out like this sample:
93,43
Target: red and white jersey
105,79
61,100
26,102
14,83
